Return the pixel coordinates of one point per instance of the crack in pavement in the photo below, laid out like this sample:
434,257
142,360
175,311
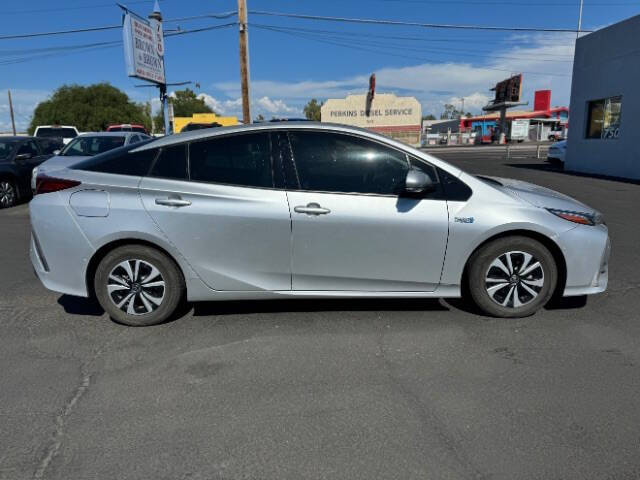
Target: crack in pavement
61,419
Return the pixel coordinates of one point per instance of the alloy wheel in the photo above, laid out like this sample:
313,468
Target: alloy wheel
514,279
7,194
136,287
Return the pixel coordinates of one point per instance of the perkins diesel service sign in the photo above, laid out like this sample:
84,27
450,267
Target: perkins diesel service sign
143,48
384,110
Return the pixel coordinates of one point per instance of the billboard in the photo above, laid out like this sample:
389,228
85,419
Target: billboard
508,90
143,48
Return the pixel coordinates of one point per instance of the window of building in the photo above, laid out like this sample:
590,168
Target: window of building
604,118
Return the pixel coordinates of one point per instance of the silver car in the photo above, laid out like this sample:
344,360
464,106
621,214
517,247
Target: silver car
304,210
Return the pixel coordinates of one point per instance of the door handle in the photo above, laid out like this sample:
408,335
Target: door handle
172,201
311,209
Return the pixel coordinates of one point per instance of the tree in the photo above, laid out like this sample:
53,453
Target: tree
185,104
312,110
90,109
429,117
260,118
452,113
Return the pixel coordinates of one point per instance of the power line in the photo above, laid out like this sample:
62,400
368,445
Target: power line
400,55
440,51
414,24
367,36
70,49
510,4
64,9
110,27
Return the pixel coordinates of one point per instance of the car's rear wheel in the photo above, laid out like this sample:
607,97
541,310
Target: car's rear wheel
138,285
512,277
8,193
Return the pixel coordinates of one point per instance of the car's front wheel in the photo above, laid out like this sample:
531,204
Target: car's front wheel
138,285
512,276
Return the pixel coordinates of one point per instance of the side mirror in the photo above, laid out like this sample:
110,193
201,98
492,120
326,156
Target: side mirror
418,182
23,156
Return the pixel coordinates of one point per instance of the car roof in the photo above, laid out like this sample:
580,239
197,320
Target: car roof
176,138
19,137
107,134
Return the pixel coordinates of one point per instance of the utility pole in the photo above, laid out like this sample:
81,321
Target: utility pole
156,16
13,122
244,60
579,20
462,112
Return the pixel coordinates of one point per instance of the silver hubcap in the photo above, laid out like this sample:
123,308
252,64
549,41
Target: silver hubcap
136,287
7,194
514,279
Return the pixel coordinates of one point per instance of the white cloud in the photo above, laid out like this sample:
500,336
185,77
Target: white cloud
435,84
273,106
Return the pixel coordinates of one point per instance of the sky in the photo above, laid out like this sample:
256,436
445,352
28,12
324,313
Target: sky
294,60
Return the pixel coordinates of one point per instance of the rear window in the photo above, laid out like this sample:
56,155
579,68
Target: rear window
56,132
90,146
121,161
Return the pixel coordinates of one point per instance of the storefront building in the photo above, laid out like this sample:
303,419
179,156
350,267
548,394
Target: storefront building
396,117
605,102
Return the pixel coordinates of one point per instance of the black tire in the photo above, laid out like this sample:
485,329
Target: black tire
516,290
8,193
142,297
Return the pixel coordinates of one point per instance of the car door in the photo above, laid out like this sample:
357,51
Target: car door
27,157
222,210
352,230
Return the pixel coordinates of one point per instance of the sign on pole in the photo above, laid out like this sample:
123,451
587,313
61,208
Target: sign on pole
143,48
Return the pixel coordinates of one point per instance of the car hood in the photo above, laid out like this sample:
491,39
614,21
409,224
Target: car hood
58,162
538,196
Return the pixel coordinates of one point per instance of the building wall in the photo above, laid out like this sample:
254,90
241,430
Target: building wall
397,117
607,64
180,122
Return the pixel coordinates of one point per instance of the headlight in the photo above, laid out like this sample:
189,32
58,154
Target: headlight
578,217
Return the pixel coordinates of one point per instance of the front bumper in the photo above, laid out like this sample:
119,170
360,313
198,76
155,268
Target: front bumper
586,251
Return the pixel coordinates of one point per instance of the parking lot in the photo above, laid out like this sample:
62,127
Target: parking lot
353,389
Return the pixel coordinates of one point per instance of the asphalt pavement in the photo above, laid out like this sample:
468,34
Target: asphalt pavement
357,389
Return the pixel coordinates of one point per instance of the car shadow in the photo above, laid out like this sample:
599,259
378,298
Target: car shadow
80,306
233,307
556,167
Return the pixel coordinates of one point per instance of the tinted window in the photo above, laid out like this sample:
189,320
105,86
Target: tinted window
333,162
48,146
6,147
30,148
172,163
237,160
120,161
138,129
90,146
56,132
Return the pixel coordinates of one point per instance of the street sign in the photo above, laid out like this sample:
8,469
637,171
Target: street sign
143,48
508,90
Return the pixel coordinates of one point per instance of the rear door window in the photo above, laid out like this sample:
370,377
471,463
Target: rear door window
243,160
171,163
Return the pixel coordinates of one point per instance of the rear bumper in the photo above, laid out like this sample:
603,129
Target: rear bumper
59,250
586,250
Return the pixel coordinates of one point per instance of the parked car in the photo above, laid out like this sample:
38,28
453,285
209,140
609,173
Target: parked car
84,146
18,157
557,152
189,127
64,132
127,127
304,210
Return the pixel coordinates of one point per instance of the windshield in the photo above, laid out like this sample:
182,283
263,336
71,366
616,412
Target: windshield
56,132
90,146
6,147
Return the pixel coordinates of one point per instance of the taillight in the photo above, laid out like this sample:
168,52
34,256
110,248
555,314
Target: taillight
46,184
